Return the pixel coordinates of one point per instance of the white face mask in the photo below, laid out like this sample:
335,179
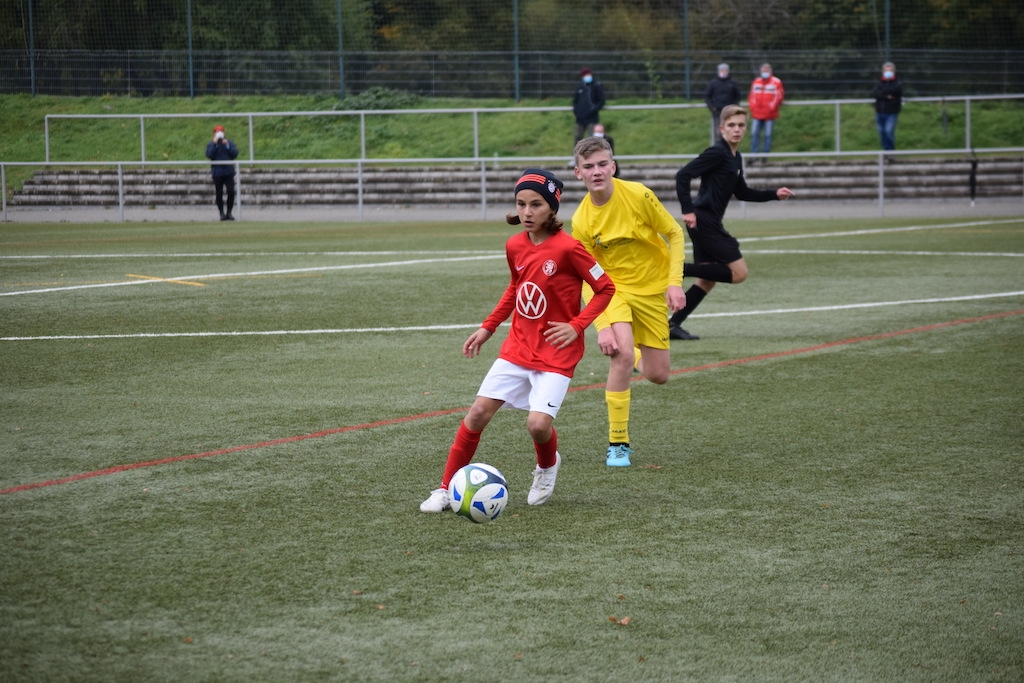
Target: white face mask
588,79
766,75
888,75
218,136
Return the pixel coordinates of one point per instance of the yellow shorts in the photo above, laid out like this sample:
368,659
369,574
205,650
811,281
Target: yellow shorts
647,313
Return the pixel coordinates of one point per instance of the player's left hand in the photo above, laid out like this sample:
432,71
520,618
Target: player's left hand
784,193
676,298
560,335
607,342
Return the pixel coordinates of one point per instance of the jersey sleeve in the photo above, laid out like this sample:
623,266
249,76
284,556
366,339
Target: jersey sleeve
506,304
707,161
746,193
597,285
662,221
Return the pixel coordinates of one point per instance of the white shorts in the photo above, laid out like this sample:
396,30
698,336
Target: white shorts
524,389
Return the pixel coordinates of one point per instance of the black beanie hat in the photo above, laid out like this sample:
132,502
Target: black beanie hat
544,183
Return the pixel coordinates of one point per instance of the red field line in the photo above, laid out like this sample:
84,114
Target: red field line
438,413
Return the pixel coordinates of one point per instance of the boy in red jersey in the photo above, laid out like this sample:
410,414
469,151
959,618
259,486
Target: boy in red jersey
545,343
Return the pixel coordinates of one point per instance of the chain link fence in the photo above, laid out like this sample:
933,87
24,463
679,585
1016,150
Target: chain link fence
647,75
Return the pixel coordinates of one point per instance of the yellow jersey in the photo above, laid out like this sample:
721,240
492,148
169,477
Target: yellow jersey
633,237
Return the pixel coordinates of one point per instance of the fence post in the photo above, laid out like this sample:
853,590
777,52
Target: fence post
238,188
483,190
362,146
837,126
142,135
252,156
3,189
476,134
881,184
359,187
967,123
120,189
46,136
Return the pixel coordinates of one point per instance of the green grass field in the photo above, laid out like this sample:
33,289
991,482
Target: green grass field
216,438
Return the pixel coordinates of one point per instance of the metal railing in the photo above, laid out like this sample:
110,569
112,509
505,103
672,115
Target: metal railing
361,165
477,113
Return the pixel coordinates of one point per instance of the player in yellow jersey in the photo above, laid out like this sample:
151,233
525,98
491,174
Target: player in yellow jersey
640,245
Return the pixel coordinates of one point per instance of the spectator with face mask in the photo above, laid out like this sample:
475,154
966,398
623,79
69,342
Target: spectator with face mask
888,94
765,99
587,103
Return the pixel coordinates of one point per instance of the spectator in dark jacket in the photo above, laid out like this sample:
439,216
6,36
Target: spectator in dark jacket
587,104
722,91
223,149
888,94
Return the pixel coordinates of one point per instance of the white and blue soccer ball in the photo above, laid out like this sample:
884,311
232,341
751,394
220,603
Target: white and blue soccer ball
478,492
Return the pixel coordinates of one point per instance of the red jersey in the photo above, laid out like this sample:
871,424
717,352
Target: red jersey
546,286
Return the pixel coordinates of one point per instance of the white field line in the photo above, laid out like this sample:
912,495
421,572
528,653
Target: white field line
255,273
434,328
877,231
484,255
868,252
234,254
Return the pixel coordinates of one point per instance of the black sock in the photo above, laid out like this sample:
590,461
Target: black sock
716,272
694,295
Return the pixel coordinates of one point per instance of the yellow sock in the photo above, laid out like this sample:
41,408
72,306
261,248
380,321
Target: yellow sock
618,415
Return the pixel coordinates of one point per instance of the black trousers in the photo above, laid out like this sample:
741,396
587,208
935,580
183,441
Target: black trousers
220,184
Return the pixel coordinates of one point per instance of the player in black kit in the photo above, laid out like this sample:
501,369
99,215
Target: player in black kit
716,253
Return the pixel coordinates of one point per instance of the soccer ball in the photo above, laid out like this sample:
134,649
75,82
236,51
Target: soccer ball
478,492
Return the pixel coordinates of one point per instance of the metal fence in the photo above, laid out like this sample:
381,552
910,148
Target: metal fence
475,119
647,75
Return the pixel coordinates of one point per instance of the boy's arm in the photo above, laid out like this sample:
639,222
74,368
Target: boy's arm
707,161
662,221
582,235
598,288
505,305
749,194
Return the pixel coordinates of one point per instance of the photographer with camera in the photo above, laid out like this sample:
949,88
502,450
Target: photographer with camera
223,149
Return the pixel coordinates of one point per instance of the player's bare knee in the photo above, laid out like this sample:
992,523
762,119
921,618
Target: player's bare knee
539,427
657,378
739,272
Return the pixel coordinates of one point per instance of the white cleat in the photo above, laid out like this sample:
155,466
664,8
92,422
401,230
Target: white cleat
439,501
543,482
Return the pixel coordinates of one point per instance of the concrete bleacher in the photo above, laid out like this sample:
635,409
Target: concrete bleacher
460,185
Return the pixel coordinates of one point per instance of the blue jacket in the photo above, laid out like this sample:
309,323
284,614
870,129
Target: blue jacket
225,151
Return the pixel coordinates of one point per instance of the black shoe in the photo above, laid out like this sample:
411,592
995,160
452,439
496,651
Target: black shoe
676,332
229,217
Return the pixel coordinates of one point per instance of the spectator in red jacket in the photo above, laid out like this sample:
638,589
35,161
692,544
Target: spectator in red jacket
765,100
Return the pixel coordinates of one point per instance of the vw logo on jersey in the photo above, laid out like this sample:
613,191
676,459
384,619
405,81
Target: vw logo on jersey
530,301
